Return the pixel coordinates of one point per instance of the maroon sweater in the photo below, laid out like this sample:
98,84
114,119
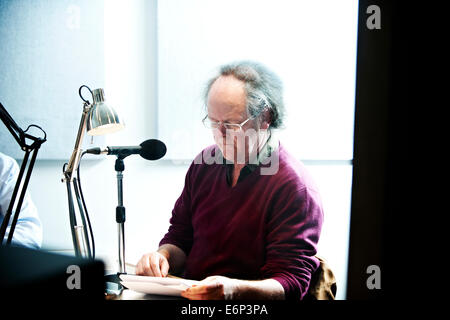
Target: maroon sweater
266,226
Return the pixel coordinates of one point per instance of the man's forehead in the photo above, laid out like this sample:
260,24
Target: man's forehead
227,86
227,91
229,81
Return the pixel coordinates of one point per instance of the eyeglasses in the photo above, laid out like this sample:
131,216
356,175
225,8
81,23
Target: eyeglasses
208,123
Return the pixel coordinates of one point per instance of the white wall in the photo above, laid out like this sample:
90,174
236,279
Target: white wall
151,188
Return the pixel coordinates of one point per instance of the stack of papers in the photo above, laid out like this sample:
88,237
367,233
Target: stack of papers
156,285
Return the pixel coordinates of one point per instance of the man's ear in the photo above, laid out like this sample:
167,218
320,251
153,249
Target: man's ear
265,125
266,119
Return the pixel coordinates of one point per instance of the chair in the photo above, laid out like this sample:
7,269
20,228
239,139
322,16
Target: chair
323,283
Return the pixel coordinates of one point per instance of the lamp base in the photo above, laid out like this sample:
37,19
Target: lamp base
113,285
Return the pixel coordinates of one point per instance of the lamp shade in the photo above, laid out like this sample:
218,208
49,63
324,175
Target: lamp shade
102,118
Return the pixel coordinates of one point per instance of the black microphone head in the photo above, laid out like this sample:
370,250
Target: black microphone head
152,149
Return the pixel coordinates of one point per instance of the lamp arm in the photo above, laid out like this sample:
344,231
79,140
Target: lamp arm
79,233
75,158
73,220
11,125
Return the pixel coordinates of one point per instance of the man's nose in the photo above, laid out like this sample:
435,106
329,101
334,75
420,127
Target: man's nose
222,129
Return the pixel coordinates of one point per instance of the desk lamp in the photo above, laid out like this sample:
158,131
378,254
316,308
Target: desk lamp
23,139
97,118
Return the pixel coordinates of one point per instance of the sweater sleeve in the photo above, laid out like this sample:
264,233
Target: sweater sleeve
180,231
293,230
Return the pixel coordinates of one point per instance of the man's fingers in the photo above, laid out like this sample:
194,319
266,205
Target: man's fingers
193,297
204,288
141,266
209,289
214,294
137,270
164,265
154,265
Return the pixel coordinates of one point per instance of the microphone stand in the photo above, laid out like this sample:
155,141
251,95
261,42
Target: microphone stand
120,219
20,136
120,213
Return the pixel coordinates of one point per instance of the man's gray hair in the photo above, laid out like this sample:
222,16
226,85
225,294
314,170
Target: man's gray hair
264,89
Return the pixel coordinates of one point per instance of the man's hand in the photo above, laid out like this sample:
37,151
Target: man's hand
223,288
153,264
213,288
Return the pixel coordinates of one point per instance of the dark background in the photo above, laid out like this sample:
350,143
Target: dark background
380,143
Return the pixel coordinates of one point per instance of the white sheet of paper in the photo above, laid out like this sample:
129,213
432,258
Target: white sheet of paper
156,285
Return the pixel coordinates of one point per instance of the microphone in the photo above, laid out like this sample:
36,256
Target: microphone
151,149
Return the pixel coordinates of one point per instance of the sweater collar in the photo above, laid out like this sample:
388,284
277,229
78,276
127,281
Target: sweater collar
270,146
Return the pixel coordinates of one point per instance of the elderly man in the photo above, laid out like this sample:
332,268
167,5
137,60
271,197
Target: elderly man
249,218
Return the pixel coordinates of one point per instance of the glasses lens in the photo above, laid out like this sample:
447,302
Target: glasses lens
214,125
232,126
209,124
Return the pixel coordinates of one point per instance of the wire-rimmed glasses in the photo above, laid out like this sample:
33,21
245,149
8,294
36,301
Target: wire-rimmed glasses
208,123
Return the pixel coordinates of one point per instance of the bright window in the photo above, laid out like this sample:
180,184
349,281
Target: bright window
311,45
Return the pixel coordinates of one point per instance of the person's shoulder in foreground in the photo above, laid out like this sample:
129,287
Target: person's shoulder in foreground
28,230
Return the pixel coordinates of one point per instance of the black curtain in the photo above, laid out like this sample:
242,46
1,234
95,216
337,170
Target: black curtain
380,142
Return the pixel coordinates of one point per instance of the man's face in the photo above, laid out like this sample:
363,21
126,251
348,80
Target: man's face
227,103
